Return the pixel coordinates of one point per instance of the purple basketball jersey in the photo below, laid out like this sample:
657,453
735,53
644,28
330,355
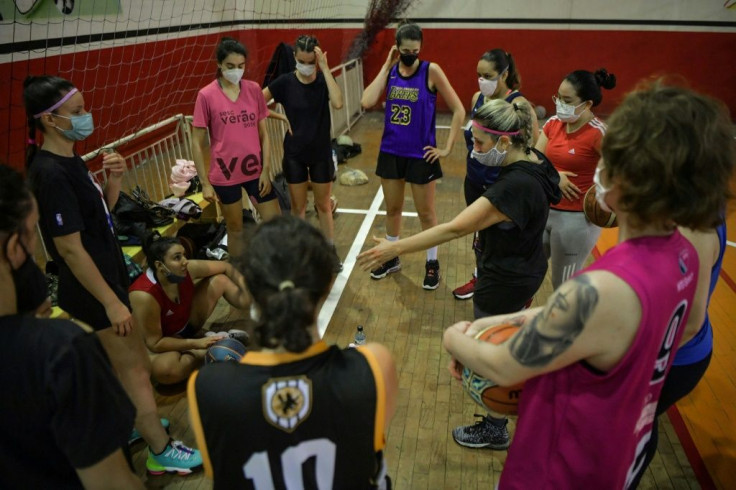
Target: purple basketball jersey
410,113
584,429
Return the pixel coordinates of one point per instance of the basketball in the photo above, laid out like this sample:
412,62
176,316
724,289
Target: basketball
225,350
486,393
595,214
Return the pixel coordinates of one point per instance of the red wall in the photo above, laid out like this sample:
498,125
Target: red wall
142,93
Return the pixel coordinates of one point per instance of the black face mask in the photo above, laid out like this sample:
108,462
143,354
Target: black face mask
408,59
31,289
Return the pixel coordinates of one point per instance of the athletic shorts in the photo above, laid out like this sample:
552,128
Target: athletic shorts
230,194
412,170
298,171
87,309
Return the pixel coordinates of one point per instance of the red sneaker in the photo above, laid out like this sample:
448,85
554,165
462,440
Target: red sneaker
466,290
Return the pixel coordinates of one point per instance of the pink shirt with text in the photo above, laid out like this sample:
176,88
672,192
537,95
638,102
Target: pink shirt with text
235,145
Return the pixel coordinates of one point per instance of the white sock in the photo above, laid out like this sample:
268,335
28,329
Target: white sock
432,253
475,273
392,238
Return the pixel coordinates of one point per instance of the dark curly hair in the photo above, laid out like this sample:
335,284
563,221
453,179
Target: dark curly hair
673,151
288,269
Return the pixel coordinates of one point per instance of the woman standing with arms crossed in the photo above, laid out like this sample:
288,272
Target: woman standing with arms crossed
571,139
498,78
306,95
408,146
77,228
237,155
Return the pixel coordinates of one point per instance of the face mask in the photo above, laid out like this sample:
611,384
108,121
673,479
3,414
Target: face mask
233,76
30,285
600,191
82,126
408,59
492,158
173,278
487,87
306,70
566,112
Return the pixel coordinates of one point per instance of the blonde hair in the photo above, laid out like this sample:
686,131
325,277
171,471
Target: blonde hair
499,115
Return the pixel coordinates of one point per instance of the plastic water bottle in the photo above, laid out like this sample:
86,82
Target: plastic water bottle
359,336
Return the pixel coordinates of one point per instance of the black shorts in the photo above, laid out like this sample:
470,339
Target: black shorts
85,307
298,170
412,170
230,194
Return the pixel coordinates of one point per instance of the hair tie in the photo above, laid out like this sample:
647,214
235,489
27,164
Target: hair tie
286,285
31,141
493,131
58,104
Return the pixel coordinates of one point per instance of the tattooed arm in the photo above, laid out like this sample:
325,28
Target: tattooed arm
573,326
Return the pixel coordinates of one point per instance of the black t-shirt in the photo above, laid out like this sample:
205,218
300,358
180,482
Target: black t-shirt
513,254
308,110
62,407
291,416
70,202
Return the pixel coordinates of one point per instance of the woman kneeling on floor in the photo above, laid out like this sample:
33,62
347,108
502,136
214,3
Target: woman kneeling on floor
173,309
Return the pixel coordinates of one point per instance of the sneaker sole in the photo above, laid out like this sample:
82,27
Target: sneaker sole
463,296
495,447
390,271
432,288
178,471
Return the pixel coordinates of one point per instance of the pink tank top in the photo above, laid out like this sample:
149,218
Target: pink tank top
579,428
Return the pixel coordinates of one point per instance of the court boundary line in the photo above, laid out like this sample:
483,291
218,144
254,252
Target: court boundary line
330,305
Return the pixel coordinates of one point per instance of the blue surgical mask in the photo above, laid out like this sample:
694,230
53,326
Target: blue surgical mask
173,278
82,127
600,191
491,158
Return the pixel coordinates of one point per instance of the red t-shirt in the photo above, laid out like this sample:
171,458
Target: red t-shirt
235,145
174,316
576,152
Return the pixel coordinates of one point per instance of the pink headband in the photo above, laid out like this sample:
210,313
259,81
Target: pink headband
493,131
58,104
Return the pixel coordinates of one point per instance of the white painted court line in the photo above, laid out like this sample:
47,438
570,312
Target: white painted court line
731,244
328,309
406,214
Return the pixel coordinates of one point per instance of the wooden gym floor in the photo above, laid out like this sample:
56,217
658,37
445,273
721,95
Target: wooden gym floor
698,450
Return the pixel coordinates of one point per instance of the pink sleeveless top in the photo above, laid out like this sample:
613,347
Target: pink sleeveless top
579,428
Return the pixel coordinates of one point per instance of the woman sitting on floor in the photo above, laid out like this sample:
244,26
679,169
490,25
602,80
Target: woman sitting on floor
172,309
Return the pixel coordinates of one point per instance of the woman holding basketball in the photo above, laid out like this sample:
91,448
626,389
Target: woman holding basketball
596,356
498,78
306,95
408,147
78,234
236,156
172,309
571,139
262,418
510,220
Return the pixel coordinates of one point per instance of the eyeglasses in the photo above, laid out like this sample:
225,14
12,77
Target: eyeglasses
557,100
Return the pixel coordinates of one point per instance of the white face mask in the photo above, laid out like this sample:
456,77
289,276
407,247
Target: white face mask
487,87
600,191
491,158
234,75
306,70
566,112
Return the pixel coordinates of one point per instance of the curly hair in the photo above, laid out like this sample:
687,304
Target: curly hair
673,152
288,269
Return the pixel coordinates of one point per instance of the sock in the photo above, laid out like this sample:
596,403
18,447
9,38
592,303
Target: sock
475,273
431,254
392,238
498,422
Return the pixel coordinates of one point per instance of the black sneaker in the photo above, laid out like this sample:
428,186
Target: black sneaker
393,265
239,335
483,433
432,275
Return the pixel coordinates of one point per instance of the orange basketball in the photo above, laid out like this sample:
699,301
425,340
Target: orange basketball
486,393
595,214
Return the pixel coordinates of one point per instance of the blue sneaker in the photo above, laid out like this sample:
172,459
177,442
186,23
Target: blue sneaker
135,436
176,458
